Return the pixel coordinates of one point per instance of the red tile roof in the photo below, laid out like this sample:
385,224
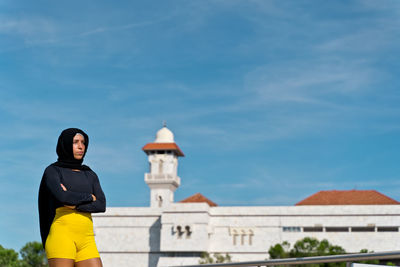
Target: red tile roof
198,198
163,146
348,197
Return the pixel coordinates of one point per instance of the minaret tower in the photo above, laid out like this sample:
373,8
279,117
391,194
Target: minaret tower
163,178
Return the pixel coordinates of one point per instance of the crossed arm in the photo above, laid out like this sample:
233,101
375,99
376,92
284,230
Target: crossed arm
86,202
74,206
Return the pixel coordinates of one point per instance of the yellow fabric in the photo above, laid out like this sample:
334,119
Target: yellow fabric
71,236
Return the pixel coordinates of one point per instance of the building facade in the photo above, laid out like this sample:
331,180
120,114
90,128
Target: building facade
172,233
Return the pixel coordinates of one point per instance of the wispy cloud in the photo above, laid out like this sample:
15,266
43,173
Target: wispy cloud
36,30
128,26
26,27
313,82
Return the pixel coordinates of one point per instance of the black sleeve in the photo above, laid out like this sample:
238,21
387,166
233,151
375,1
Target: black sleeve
53,183
95,206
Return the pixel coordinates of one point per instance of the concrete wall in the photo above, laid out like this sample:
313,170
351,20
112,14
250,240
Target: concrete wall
150,236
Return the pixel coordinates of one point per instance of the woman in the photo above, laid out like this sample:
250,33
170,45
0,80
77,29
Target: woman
69,192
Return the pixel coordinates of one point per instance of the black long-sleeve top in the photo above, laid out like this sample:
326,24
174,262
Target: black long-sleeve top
80,187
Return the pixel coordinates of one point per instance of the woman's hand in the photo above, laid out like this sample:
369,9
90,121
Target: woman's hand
63,187
94,197
68,206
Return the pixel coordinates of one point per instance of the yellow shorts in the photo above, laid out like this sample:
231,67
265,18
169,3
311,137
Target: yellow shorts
71,236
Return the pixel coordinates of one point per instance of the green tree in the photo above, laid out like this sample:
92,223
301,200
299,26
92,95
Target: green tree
33,255
307,247
9,258
279,251
205,258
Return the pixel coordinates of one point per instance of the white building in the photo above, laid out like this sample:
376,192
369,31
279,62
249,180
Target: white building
169,233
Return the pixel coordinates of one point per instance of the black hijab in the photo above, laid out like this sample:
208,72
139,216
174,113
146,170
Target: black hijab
64,150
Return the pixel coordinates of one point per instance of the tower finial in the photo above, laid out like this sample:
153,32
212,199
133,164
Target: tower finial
164,123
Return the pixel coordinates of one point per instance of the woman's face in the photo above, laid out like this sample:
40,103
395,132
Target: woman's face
78,146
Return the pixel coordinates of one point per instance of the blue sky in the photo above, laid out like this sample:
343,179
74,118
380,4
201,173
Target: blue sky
271,101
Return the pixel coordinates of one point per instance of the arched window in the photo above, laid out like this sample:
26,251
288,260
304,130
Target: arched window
160,201
235,234
243,233
160,166
251,233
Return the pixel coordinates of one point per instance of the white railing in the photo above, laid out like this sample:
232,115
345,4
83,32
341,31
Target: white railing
348,258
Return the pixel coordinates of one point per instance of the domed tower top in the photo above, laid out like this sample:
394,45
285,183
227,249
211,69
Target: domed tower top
164,142
164,135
